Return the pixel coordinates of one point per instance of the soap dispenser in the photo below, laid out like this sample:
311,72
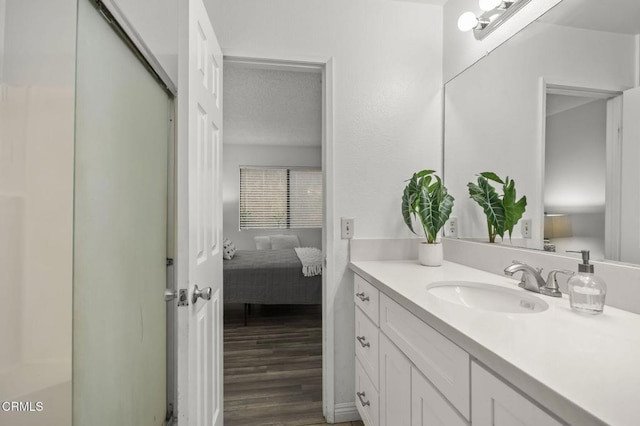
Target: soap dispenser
586,290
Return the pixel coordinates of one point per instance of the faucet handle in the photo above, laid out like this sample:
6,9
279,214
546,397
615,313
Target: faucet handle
551,287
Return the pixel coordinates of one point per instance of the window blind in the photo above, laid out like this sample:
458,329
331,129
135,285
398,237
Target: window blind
275,198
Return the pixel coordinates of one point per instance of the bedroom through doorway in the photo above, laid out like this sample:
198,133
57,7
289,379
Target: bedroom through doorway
273,222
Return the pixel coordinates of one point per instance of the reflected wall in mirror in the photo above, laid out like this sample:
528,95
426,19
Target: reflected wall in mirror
546,109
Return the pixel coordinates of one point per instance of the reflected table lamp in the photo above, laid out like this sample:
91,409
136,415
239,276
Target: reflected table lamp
556,225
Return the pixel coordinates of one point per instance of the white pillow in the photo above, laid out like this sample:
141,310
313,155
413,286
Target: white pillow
284,242
262,242
228,249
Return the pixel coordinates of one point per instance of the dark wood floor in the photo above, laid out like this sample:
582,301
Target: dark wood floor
273,366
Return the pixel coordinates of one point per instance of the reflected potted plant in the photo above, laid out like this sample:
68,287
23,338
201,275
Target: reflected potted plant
425,198
502,211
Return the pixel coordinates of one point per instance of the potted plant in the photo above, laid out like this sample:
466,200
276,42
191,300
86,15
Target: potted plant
426,198
502,211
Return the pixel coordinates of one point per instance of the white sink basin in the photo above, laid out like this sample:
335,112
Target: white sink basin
487,297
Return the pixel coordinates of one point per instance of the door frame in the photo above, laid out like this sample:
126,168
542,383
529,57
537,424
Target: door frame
293,62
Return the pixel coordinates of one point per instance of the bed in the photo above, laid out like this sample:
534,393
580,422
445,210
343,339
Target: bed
269,277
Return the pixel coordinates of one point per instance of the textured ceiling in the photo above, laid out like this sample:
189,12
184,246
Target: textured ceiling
271,106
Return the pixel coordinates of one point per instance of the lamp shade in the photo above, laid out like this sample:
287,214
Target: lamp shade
557,226
488,5
467,21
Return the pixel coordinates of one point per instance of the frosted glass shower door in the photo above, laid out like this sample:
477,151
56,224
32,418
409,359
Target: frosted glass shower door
120,237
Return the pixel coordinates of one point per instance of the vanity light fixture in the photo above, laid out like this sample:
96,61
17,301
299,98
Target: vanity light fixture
495,13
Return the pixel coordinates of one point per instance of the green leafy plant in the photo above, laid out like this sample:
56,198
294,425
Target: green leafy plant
502,211
426,198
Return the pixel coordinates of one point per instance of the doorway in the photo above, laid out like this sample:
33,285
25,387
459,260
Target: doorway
581,167
274,146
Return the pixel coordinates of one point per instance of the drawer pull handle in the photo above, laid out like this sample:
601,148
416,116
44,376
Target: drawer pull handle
362,296
362,401
363,342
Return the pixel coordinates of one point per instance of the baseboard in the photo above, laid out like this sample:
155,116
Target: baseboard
346,412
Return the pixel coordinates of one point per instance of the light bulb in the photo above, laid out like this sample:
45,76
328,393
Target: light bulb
488,5
467,21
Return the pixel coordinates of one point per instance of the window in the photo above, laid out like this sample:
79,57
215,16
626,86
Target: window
276,197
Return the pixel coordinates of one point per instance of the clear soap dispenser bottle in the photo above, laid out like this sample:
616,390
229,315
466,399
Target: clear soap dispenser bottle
587,291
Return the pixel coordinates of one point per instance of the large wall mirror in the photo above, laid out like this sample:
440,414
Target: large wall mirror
557,109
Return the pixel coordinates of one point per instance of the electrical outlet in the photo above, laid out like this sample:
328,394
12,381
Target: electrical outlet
525,228
451,227
347,228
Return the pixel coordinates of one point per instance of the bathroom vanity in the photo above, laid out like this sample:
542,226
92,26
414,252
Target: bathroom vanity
433,347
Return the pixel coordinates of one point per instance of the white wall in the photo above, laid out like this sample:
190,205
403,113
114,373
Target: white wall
386,113
461,50
36,198
262,155
493,110
576,160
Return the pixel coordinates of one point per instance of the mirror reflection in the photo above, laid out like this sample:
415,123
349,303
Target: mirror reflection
554,109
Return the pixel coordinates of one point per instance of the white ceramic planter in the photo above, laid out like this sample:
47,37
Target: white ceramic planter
430,254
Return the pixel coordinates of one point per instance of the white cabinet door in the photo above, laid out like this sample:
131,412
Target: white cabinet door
395,385
428,406
445,364
494,403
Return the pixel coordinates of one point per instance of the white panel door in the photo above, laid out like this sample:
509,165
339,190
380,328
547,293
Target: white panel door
199,226
630,179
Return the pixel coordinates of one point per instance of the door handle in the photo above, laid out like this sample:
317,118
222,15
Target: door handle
362,296
205,294
361,396
363,341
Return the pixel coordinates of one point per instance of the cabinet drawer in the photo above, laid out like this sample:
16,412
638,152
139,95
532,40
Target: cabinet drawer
428,407
496,404
367,343
366,397
439,359
367,298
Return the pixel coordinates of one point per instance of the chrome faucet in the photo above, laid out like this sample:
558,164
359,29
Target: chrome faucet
532,278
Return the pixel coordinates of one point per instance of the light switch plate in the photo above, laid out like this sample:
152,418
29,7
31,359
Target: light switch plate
451,227
347,224
525,228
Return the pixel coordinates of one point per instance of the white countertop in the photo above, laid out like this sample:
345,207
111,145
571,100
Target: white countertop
584,369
